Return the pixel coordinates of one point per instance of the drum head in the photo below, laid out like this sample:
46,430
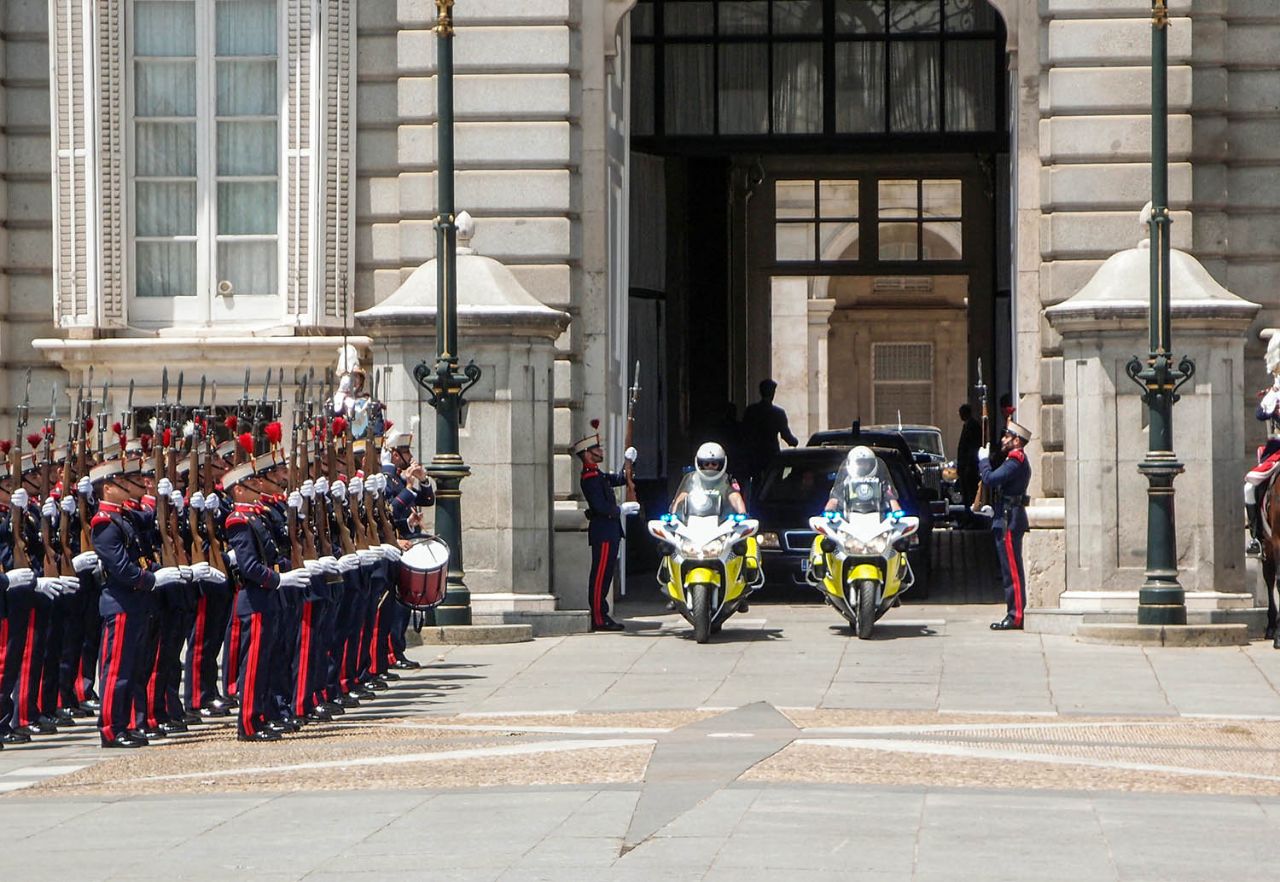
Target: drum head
426,554
421,582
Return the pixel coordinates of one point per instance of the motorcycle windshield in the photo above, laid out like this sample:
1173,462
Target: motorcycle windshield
861,496
701,501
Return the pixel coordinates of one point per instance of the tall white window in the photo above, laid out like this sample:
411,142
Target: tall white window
205,161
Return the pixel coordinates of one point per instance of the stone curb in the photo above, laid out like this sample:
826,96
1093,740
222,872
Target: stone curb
1164,635
470,635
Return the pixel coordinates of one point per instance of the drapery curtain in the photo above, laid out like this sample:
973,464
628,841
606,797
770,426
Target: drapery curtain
688,90
797,88
243,188
744,89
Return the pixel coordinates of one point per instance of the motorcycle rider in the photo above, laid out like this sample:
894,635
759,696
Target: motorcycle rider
709,490
863,469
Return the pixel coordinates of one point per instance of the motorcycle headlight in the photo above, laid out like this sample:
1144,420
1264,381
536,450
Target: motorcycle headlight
769,540
858,547
704,551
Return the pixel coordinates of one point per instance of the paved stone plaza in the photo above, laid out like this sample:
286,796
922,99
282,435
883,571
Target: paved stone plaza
784,749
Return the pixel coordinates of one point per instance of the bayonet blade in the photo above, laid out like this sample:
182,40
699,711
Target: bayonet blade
178,400
266,388
202,385
164,387
244,396
53,404
128,412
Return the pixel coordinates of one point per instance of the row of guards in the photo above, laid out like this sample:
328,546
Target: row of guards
187,563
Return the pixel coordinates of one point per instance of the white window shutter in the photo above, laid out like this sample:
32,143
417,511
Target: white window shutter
333,302
108,142
301,151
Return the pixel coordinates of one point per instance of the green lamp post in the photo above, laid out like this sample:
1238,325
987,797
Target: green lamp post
1161,600
444,384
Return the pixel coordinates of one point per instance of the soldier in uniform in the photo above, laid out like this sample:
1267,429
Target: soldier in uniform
1269,454
604,525
1008,486
408,488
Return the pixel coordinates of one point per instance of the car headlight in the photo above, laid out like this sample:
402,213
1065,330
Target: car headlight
769,540
949,473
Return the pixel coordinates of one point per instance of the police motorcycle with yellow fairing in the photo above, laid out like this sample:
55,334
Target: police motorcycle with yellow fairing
713,561
859,557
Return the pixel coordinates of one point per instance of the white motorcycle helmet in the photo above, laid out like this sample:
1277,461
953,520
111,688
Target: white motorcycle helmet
861,462
711,461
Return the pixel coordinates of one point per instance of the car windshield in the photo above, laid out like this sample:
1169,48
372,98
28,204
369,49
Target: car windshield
925,440
800,479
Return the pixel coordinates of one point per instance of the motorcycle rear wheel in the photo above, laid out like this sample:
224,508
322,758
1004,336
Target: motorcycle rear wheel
700,607
866,608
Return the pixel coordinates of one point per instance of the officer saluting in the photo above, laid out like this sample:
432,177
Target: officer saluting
604,527
1008,486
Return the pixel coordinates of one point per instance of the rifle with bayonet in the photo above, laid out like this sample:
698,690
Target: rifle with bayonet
173,442
980,498
46,471
193,475
21,548
628,468
337,425
74,443
242,415
210,525
168,551
298,460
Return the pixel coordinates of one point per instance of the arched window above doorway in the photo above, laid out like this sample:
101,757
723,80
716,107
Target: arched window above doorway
845,69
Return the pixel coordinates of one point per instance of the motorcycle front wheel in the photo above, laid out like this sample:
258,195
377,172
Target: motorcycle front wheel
866,608
700,607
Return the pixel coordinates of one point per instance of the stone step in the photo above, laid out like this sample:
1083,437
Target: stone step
470,635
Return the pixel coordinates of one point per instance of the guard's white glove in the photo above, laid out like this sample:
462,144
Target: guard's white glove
295,579
630,454
68,504
212,504
21,577
629,508
390,552
348,562
231,556
196,501
167,576
20,499
163,488
322,485
1270,400
329,565
295,500
308,489
85,487
368,556
187,575
384,457
356,486
201,571
176,500
216,576
48,586
312,567
49,509
984,453
69,585
85,562
338,490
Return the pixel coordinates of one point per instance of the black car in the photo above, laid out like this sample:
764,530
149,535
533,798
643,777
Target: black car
925,467
796,486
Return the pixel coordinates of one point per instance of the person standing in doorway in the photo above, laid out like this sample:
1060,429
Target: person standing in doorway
604,524
762,424
967,455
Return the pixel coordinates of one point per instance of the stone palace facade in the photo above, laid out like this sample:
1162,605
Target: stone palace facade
215,184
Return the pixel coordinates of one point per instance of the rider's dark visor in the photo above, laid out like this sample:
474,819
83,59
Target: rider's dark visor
716,464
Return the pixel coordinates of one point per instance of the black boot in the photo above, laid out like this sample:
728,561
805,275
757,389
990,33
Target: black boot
1255,528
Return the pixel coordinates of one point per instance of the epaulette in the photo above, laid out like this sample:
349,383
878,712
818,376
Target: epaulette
1016,453
236,520
99,519
590,473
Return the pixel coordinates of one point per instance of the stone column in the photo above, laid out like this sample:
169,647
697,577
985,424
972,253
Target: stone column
1102,328
506,438
819,363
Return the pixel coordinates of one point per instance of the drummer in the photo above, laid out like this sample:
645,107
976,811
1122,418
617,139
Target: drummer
408,488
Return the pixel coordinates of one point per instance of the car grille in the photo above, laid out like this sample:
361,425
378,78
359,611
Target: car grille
798,540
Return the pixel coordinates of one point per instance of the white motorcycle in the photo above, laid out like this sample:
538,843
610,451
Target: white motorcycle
859,563
711,567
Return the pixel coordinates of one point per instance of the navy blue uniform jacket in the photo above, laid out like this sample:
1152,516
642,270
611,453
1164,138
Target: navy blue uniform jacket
603,521
1008,485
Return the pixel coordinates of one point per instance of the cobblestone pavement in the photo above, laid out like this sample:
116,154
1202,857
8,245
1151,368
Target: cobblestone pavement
937,750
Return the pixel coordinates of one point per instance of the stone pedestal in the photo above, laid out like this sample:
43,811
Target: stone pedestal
506,436
1102,328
